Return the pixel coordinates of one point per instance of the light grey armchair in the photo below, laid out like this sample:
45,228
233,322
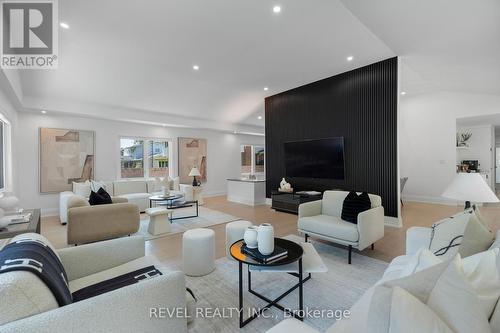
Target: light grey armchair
322,219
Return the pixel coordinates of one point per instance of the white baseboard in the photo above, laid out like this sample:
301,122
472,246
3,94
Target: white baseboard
430,199
395,222
50,212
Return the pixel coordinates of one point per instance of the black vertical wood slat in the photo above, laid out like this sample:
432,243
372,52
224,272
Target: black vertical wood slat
361,106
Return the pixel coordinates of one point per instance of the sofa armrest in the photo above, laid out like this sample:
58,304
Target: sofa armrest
119,200
188,191
311,208
291,326
417,237
370,226
80,261
128,309
63,205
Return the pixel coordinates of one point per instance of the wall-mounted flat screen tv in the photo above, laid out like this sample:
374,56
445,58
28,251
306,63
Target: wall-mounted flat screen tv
322,158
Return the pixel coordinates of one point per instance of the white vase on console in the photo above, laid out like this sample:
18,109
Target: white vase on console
250,237
265,238
165,191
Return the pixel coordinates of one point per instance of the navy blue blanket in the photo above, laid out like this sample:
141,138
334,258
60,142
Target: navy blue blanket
36,257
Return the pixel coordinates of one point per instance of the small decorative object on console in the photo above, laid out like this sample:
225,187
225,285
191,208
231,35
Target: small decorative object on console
285,187
265,238
250,237
8,202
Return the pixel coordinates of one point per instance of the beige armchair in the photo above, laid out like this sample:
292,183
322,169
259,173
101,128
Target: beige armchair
88,223
322,219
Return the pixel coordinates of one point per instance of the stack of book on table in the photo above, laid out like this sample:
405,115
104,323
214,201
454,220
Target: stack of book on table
278,253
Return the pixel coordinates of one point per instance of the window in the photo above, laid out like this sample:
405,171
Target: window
252,159
142,158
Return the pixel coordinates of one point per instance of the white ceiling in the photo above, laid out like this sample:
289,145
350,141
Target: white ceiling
137,57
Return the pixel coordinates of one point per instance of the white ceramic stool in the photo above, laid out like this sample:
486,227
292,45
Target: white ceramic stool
234,232
159,222
198,251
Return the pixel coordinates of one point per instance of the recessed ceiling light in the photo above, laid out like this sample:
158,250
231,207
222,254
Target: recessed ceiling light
276,9
43,111
259,117
196,67
266,88
235,132
164,125
349,58
64,25
403,93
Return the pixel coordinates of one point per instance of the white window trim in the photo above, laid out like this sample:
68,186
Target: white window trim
146,148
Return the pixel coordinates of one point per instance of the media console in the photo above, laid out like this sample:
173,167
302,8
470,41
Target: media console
289,202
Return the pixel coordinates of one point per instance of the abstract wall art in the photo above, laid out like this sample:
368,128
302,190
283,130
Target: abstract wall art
192,152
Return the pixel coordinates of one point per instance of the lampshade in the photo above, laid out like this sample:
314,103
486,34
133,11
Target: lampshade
470,187
194,172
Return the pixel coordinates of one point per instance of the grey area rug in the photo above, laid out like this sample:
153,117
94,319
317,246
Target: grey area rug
338,289
206,217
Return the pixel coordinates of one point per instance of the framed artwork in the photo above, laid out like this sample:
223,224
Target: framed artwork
66,156
192,152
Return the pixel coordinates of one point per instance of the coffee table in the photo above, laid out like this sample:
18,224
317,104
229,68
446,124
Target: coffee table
294,258
158,199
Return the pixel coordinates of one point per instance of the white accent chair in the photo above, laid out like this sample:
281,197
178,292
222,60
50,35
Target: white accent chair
322,219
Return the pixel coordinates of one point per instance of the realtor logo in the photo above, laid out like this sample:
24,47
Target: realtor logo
29,34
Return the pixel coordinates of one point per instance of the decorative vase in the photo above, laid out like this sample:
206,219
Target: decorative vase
250,237
8,202
265,238
3,222
165,191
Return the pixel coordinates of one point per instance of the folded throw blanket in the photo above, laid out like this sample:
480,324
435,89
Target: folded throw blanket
37,257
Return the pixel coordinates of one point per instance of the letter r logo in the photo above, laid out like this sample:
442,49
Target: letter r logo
27,27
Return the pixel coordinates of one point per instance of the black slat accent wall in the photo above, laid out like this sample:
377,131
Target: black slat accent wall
361,106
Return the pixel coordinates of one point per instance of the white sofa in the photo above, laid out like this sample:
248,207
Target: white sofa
135,191
321,219
123,310
416,238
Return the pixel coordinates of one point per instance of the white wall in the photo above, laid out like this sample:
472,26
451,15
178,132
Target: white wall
427,139
9,113
223,160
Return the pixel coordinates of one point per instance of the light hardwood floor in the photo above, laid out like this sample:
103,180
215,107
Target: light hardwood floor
169,248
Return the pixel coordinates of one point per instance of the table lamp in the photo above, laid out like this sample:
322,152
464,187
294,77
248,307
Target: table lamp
470,187
194,173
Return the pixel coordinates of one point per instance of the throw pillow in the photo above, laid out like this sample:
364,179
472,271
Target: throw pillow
95,186
100,198
447,234
353,205
496,244
395,310
477,238
483,273
421,260
445,289
82,189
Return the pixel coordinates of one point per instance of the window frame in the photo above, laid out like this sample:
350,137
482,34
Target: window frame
146,152
252,163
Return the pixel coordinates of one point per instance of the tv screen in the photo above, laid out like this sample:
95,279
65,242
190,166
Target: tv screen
323,158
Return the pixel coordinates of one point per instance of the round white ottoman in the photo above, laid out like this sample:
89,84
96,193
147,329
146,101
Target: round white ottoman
198,251
234,232
158,220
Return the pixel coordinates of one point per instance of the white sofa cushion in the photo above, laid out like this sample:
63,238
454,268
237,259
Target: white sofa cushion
129,186
394,310
330,225
483,273
421,260
82,189
444,288
135,196
130,266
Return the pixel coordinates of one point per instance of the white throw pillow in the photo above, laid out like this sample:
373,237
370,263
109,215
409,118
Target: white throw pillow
95,186
421,260
394,310
477,238
447,235
496,244
495,319
483,273
82,189
445,289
